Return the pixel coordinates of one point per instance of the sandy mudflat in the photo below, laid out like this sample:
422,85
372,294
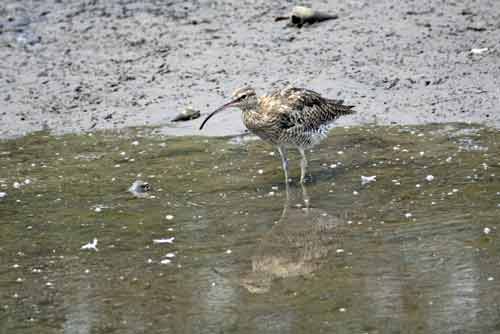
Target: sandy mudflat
82,65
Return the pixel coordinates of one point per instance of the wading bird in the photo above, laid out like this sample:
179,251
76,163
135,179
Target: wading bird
290,117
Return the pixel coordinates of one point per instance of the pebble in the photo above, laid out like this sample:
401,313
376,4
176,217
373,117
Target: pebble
429,178
486,230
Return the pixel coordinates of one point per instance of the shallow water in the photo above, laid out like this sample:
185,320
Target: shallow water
401,254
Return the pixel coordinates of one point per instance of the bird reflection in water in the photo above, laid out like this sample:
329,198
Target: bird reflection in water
297,245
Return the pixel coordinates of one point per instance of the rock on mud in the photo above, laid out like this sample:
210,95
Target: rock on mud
187,115
301,15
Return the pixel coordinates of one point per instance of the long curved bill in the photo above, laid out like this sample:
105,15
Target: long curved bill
227,105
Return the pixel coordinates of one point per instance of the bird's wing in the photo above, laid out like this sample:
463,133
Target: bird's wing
306,108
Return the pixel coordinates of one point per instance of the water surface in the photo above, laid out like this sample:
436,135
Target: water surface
415,251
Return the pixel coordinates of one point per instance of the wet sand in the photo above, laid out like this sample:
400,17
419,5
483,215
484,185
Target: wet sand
78,66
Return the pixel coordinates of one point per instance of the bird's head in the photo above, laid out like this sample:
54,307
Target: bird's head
243,98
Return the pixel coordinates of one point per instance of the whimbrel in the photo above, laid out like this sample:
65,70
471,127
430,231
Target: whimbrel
290,117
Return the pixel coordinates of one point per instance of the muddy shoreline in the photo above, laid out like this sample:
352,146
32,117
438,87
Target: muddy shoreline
78,66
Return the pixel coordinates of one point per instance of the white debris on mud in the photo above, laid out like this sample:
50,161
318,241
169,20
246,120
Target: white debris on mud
164,240
91,245
368,179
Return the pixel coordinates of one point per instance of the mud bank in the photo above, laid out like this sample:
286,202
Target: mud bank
77,66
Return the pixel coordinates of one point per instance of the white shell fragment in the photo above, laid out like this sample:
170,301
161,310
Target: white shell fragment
368,179
91,245
478,51
164,240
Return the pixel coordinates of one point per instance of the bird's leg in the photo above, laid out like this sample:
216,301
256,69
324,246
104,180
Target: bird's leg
303,165
305,196
284,162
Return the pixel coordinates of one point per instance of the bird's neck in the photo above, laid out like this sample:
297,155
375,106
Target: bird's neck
248,108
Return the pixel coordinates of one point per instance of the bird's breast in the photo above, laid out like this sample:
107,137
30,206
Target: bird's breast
261,125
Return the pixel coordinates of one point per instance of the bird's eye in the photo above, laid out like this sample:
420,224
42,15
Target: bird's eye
244,96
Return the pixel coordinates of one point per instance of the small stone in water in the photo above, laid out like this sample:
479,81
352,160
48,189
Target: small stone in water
169,217
2,194
408,215
429,178
486,230
165,261
229,251
139,188
170,255
16,185
135,143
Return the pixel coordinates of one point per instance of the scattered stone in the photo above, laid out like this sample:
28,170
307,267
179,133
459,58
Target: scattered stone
429,178
139,188
477,26
187,115
486,230
304,15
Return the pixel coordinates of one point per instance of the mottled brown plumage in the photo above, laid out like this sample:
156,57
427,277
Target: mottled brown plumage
295,117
